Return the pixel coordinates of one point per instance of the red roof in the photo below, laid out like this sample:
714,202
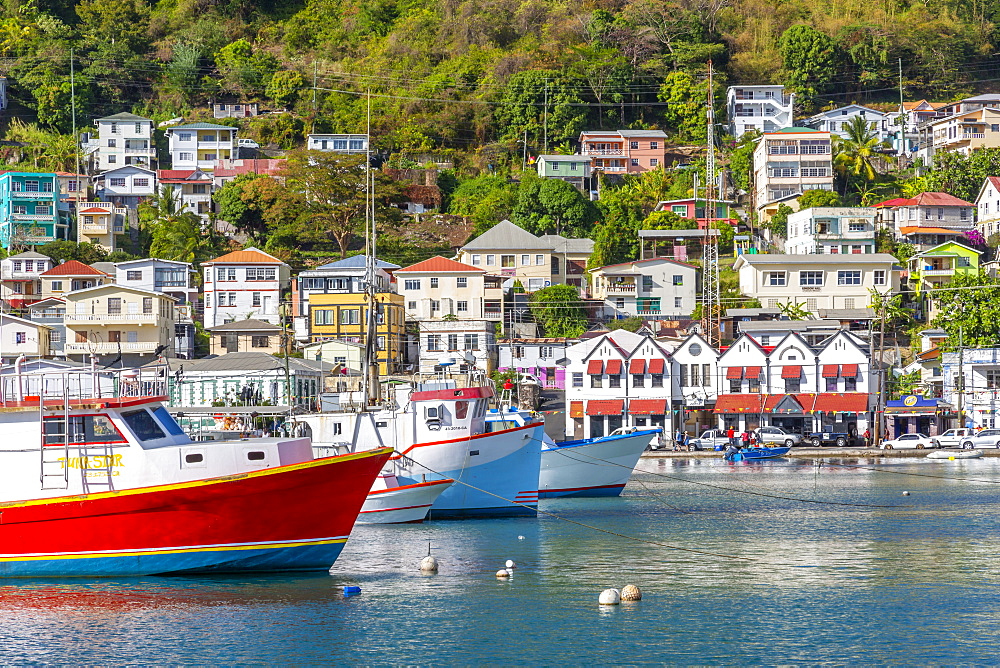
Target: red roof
939,199
849,370
841,402
439,264
647,406
72,268
266,167
174,174
738,403
898,201
906,231
752,372
656,365
95,209
734,373
595,367
605,407
576,409
636,366
995,180
247,256
824,402
613,368
831,370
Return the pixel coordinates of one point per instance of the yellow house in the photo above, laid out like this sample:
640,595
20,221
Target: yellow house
118,320
343,316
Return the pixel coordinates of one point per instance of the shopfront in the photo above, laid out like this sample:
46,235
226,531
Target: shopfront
914,414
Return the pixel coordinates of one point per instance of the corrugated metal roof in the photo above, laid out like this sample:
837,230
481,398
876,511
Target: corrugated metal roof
438,264
28,255
506,235
355,262
561,244
939,199
251,361
819,258
124,116
72,268
246,256
201,126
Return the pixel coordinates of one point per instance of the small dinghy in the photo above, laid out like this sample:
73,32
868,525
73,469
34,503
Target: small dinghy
954,454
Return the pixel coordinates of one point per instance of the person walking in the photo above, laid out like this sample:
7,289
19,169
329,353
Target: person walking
679,439
745,438
731,435
868,438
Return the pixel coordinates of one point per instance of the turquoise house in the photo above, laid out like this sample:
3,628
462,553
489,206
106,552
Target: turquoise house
30,211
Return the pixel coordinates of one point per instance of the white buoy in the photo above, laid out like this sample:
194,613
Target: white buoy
631,593
428,564
520,537
610,597
503,574
906,493
510,564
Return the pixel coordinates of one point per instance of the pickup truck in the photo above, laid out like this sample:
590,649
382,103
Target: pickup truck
954,437
712,439
839,439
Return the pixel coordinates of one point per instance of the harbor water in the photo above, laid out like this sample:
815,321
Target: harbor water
781,561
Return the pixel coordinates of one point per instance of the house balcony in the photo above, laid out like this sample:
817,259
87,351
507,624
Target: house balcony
94,229
113,319
493,315
22,276
648,311
621,289
146,151
87,347
31,194
613,152
930,273
33,216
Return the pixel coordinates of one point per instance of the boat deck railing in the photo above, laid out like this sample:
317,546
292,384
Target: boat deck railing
81,387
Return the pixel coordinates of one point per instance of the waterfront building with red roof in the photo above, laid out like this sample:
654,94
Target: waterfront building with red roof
247,283
929,209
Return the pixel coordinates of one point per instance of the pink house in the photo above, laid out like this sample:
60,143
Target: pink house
694,209
624,151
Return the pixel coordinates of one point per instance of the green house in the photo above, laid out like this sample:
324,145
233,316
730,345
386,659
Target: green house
938,265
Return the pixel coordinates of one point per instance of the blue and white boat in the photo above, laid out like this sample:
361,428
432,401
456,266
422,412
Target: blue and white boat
586,467
752,453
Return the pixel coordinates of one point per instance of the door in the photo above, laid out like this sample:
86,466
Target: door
266,303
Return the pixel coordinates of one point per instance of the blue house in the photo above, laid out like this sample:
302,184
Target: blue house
30,212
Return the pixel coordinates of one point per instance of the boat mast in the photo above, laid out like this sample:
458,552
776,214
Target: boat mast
370,385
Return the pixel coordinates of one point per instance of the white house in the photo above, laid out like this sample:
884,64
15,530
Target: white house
836,121
19,336
618,379
929,211
789,162
244,284
125,139
764,108
655,288
817,281
99,222
337,143
440,287
797,386
988,207
238,109
456,345
694,385
191,189
537,357
200,145
836,229
126,186
20,278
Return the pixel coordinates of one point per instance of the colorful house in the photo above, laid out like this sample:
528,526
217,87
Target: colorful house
344,316
29,209
939,265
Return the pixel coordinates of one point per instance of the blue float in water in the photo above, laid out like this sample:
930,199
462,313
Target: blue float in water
352,590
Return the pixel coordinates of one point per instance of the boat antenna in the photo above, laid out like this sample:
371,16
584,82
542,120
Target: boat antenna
370,379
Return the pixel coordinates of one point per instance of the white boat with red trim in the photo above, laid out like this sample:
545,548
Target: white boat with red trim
390,502
97,479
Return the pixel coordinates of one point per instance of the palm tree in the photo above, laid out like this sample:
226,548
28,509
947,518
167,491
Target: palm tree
854,154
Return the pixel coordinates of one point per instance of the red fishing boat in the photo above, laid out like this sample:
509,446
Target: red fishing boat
97,479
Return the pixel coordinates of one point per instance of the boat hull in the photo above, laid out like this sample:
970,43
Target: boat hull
402,505
287,518
591,467
954,454
496,474
750,454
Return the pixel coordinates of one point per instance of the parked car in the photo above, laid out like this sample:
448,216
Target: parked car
954,437
247,143
987,438
909,441
777,435
711,439
840,439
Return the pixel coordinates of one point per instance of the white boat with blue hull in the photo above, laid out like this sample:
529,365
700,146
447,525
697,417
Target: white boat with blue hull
583,468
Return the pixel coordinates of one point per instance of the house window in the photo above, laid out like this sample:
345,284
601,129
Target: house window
810,278
323,316
753,385
22,210
350,316
17,265
634,162
964,261
851,277
114,306
20,337
831,384
255,300
226,273
435,305
260,341
734,386
259,274
850,385
855,226
198,189
879,276
577,379
614,381
57,285
147,303
462,306
434,282
133,275
656,380
411,305
678,279
595,381
653,162
491,260
461,282
654,145
544,352
507,261
793,384
638,380
117,182
43,210
647,283
774,278
31,186
634,145
477,260
678,302
471,342
112,143
182,157
554,265
184,136
411,284
453,342
525,260
434,342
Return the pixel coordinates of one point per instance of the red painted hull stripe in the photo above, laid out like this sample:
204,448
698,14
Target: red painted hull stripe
580,489
468,438
389,510
172,550
430,483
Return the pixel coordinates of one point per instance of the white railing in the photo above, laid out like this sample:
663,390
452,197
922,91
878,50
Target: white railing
111,347
622,288
52,387
603,151
98,318
94,229
33,216
133,150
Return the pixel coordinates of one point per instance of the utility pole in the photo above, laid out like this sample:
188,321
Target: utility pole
880,393
710,257
901,119
315,72
76,140
961,380
545,118
524,154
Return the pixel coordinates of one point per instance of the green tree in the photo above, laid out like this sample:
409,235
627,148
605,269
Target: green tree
741,159
817,197
486,200
552,206
853,155
958,174
559,310
794,310
244,70
630,324
524,100
809,60
87,253
257,205
974,313
176,235
616,237
687,99
284,87
779,221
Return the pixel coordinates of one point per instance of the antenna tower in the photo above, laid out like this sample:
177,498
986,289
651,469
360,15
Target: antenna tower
711,302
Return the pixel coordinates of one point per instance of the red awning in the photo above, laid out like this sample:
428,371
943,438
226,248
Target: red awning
734,373
605,407
752,372
595,367
613,368
738,403
576,409
831,370
791,371
849,370
656,365
647,406
637,366
842,402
